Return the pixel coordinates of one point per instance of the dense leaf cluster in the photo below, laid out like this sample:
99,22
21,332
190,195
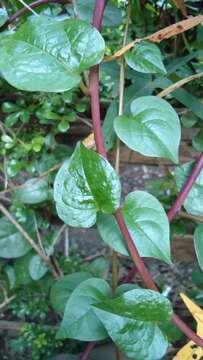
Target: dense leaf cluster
44,66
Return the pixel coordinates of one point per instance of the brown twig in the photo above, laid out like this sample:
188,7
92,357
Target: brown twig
29,239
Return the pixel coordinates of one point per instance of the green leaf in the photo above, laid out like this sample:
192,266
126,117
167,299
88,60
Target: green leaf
9,107
98,267
198,242
48,55
153,129
194,200
139,304
147,223
146,58
131,321
62,289
79,321
12,243
34,191
10,272
21,267
112,15
12,119
3,16
140,88
85,184
111,234
37,267
197,141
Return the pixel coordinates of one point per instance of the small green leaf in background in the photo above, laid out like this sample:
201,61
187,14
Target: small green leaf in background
37,267
112,15
147,223
194,200
198,242
79,321
189,121
3,16
98,267
21,267
49,55
9,107
62,289
145,58
153,129
197,141
34,191
132,322
12,243
10,272
85,184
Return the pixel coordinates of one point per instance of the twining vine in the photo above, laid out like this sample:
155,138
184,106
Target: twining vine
95,108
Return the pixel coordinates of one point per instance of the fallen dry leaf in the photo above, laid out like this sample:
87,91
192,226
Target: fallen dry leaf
160,35
191,351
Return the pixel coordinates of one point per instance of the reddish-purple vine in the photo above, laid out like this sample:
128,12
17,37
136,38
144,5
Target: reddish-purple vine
95,106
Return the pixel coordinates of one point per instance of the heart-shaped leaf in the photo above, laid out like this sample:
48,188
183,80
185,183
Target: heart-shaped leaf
48,55
12,242
194,200
145,58
153,129
147,223
85,184
63,288
79,321
131,321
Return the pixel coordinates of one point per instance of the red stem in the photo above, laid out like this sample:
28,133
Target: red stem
25,9
88,350
186,188
95,108
95,105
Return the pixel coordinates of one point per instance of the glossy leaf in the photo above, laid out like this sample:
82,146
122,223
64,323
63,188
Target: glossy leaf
85,184
112,15
148,225
146,58
194,200
139,304
62,289
37,267
48,55
153,129
12,243
198,242
79,321
137,339
34,191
